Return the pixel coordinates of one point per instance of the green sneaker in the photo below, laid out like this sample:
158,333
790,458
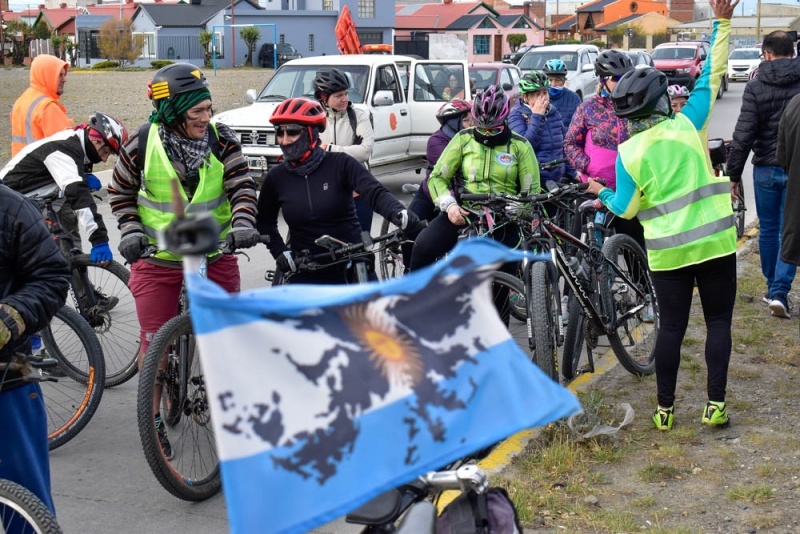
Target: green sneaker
663,418
716,414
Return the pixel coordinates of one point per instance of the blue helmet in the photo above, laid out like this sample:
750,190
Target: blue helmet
555,67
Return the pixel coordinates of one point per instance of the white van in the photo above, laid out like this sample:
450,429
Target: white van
579,59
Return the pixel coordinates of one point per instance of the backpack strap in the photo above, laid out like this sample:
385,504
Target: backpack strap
351,117
480,511
144,134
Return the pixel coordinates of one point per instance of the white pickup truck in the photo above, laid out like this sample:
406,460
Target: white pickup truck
402,94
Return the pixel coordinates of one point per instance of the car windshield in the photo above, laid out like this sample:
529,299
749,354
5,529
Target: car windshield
284,48
535,59
291,81
676,52
483,77
745,54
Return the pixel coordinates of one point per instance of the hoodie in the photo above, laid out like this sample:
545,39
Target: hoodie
764,100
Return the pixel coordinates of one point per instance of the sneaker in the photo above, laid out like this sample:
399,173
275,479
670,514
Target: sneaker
648,310
715,413
779,307
104,302
765,299
161,432
662,418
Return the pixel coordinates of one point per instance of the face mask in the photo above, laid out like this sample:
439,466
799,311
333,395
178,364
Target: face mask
555,91
605,93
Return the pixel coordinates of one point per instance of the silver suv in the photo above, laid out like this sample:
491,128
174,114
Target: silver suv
579,60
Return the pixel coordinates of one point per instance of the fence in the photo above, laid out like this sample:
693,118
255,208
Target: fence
412,46
177,47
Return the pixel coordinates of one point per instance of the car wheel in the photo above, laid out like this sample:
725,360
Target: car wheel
721,90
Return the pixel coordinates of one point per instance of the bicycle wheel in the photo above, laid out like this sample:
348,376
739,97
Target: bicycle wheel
573,339
109,309
71,355
22,512
504,286
634,338
738,217
543,313
192,474
390,259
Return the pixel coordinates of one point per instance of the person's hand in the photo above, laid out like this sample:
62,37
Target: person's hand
101,254
540,102
736,191
456,215
594,187
93,182
242,238
286,263
723,9
5,332
132,246
405,219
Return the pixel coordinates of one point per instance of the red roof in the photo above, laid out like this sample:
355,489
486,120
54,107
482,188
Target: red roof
57,17
114,10
432,16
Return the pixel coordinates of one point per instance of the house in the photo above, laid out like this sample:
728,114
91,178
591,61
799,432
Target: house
470,30
593,16
649,29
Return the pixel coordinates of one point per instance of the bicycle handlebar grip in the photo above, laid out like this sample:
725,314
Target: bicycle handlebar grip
475,196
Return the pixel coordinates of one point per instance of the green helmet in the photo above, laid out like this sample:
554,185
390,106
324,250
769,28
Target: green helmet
533,81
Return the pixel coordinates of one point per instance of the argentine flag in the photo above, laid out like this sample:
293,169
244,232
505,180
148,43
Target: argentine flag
323,397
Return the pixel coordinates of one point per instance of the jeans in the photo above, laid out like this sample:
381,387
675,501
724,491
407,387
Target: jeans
769,185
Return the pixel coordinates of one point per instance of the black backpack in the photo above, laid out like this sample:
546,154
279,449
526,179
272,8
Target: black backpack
351,117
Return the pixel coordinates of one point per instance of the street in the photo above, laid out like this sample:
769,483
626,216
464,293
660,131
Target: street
101,481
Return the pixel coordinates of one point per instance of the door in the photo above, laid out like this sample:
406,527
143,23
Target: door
391,119
498,47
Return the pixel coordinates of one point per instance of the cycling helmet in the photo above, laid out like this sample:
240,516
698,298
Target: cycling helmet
636,95
110,129
678,90
175,79
555,67
612,63
490,107
452,109
330,81
533,81
303,111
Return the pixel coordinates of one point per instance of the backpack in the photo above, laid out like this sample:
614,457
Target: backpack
491,512
351,117
144,134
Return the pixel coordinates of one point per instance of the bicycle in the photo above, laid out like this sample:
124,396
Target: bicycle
100,294
22,512
718,150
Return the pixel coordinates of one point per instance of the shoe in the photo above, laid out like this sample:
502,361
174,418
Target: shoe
765,299
779,307
648,310
564,313
662,418
716,414
104,302
161,432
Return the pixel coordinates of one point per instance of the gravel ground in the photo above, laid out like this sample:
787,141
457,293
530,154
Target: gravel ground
121,94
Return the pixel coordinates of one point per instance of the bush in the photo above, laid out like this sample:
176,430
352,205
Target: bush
106,65
598,43
573,41
160,63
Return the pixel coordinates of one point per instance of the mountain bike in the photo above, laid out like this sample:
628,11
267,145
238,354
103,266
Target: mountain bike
22,512
100,294
718,150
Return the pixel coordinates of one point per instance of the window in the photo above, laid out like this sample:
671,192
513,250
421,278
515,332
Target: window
486,23
310,42
386,80
327,5
217,41
522,24
366,9
282,38
505,77
480,45
148,46
370,37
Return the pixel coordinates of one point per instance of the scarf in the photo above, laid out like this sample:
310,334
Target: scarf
304,156
171,110
660,113
191,152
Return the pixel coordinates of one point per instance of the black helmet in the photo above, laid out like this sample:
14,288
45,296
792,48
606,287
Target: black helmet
175,79
329,81
637,93
612,63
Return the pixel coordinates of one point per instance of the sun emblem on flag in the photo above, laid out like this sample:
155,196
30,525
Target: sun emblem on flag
391,351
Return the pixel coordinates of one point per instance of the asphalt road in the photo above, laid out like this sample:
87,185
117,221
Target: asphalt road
101,481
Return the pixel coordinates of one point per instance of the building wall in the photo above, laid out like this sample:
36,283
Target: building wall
682,10
448,45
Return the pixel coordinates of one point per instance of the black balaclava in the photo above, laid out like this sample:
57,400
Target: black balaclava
305,154
494,140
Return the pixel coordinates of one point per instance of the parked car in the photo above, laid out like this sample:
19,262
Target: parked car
640,58
514,57
505,75
683,62
742,62
579,60
286,52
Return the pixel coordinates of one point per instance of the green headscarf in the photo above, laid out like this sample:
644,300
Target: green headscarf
170,110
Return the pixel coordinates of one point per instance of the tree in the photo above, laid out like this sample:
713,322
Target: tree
515,40
41,30
19,33
118,43
205,39
250,35
56,41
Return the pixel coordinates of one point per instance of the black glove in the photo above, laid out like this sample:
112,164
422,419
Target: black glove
286,263
242,238
405,219
132,246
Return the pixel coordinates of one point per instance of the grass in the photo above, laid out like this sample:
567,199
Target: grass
755,495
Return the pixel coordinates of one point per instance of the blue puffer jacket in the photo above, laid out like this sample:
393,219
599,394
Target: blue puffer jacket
545,134
566,102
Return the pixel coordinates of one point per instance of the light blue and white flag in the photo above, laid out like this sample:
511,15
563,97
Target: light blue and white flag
325,396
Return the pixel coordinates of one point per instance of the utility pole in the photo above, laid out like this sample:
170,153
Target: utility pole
233,37
758,21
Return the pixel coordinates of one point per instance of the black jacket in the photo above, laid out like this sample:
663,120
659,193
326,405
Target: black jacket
34,276
765,97
788,147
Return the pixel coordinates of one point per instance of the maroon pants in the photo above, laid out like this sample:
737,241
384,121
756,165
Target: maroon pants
157,290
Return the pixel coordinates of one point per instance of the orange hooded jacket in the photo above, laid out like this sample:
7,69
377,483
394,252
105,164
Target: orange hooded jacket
38,113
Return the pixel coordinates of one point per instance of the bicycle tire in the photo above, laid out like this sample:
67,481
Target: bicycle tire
738,218
517,328
192,434
574,338
634,340
543,313
79,367
390,259
117,329
22,512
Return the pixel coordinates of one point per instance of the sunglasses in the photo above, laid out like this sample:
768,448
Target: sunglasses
490,131
291,130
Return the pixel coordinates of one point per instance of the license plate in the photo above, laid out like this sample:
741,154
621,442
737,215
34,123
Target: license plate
259,162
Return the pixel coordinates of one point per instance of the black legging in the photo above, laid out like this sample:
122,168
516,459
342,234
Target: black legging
716,282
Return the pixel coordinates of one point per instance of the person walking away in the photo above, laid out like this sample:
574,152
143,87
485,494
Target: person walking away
34,278
662,175
38,112
763,102
349,129
179,143
538,121
788,144
313,189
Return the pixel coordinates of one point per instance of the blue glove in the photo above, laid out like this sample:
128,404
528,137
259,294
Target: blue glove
93,182
101,252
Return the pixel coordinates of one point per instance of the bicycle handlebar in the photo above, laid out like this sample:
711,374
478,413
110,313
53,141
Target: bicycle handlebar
308,261
542,197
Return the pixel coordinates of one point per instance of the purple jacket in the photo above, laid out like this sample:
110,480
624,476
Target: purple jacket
595,115
436,144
